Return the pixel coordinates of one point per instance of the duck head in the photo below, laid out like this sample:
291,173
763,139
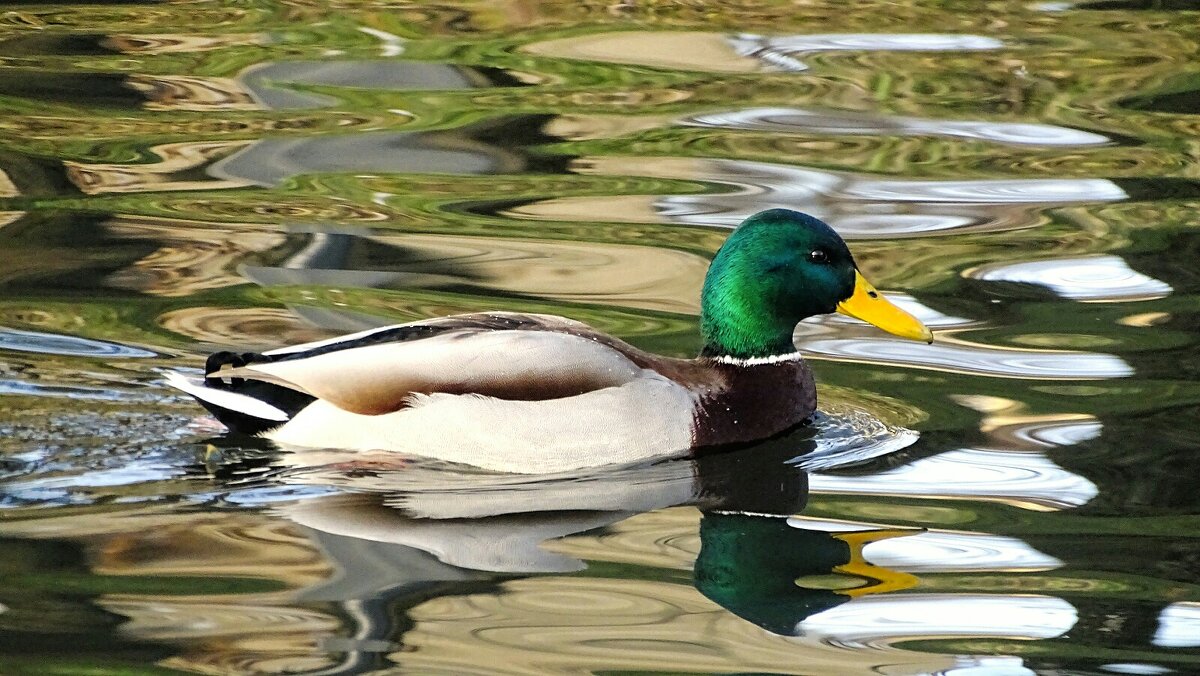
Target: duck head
777,268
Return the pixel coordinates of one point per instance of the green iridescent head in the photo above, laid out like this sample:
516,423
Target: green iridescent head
777,268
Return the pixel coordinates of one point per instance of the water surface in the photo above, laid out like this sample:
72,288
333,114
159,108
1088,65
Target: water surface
1018,498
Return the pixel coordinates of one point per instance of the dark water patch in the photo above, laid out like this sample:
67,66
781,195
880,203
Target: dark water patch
57,44
1179,94
71,89
64,250
36,176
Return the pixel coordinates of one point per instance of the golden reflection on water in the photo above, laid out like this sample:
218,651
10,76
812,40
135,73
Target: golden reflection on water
166,92
191,258
710,52
176,158
629,276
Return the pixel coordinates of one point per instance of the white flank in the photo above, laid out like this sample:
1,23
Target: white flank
649,417
224,399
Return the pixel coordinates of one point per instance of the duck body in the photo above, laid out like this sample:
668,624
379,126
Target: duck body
538,393
510,392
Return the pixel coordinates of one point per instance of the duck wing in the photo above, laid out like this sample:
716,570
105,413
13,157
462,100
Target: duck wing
502,355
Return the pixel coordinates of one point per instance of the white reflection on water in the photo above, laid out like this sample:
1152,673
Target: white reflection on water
797,120
775,51
55,343
1087,278
1028,480
393,45
1141,668
985,665
1051,433
875,621
943,551
1179,626
999,191
872,207
842,338
268,82
969,358
268,162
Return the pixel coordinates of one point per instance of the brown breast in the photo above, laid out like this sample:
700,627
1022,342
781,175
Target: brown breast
753,402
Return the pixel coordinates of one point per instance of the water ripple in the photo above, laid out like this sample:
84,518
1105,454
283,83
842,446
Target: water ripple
971,359
892,206
943,551
26,389
1049,433
850,437
876,621
1087,278
1179,626
797,120
1001,191
268,162
52,343
264,80
775,52
1028,480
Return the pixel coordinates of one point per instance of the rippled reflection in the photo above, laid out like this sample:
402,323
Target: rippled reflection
944,551
796,120
183,177
271,161
50,343
1179,626
268,82
1090,278
686,50
973,359
1024,480
857,206
630,276
878,621
744,52
172,172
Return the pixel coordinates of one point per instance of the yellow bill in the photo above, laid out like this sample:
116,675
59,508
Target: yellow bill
870,306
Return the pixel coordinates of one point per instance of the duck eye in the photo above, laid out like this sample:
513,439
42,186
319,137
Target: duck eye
818,256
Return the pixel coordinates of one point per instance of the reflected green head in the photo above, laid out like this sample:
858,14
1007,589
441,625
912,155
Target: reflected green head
777,268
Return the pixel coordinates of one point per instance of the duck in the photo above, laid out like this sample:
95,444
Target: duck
536,393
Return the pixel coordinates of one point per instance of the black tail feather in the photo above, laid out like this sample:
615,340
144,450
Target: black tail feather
285,399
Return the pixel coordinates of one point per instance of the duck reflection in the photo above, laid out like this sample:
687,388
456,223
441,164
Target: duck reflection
769,572
407,534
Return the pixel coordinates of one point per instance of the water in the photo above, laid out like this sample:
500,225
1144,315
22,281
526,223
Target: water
1017,498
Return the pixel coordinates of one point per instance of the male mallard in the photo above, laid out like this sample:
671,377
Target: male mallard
539,393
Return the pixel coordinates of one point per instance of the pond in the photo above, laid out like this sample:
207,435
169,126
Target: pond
1019,497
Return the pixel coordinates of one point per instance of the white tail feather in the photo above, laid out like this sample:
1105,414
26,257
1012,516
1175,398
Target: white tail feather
224,398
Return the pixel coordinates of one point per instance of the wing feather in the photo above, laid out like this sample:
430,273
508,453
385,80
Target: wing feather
372,378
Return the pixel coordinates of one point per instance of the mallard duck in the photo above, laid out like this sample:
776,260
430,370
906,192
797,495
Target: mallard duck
538,393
